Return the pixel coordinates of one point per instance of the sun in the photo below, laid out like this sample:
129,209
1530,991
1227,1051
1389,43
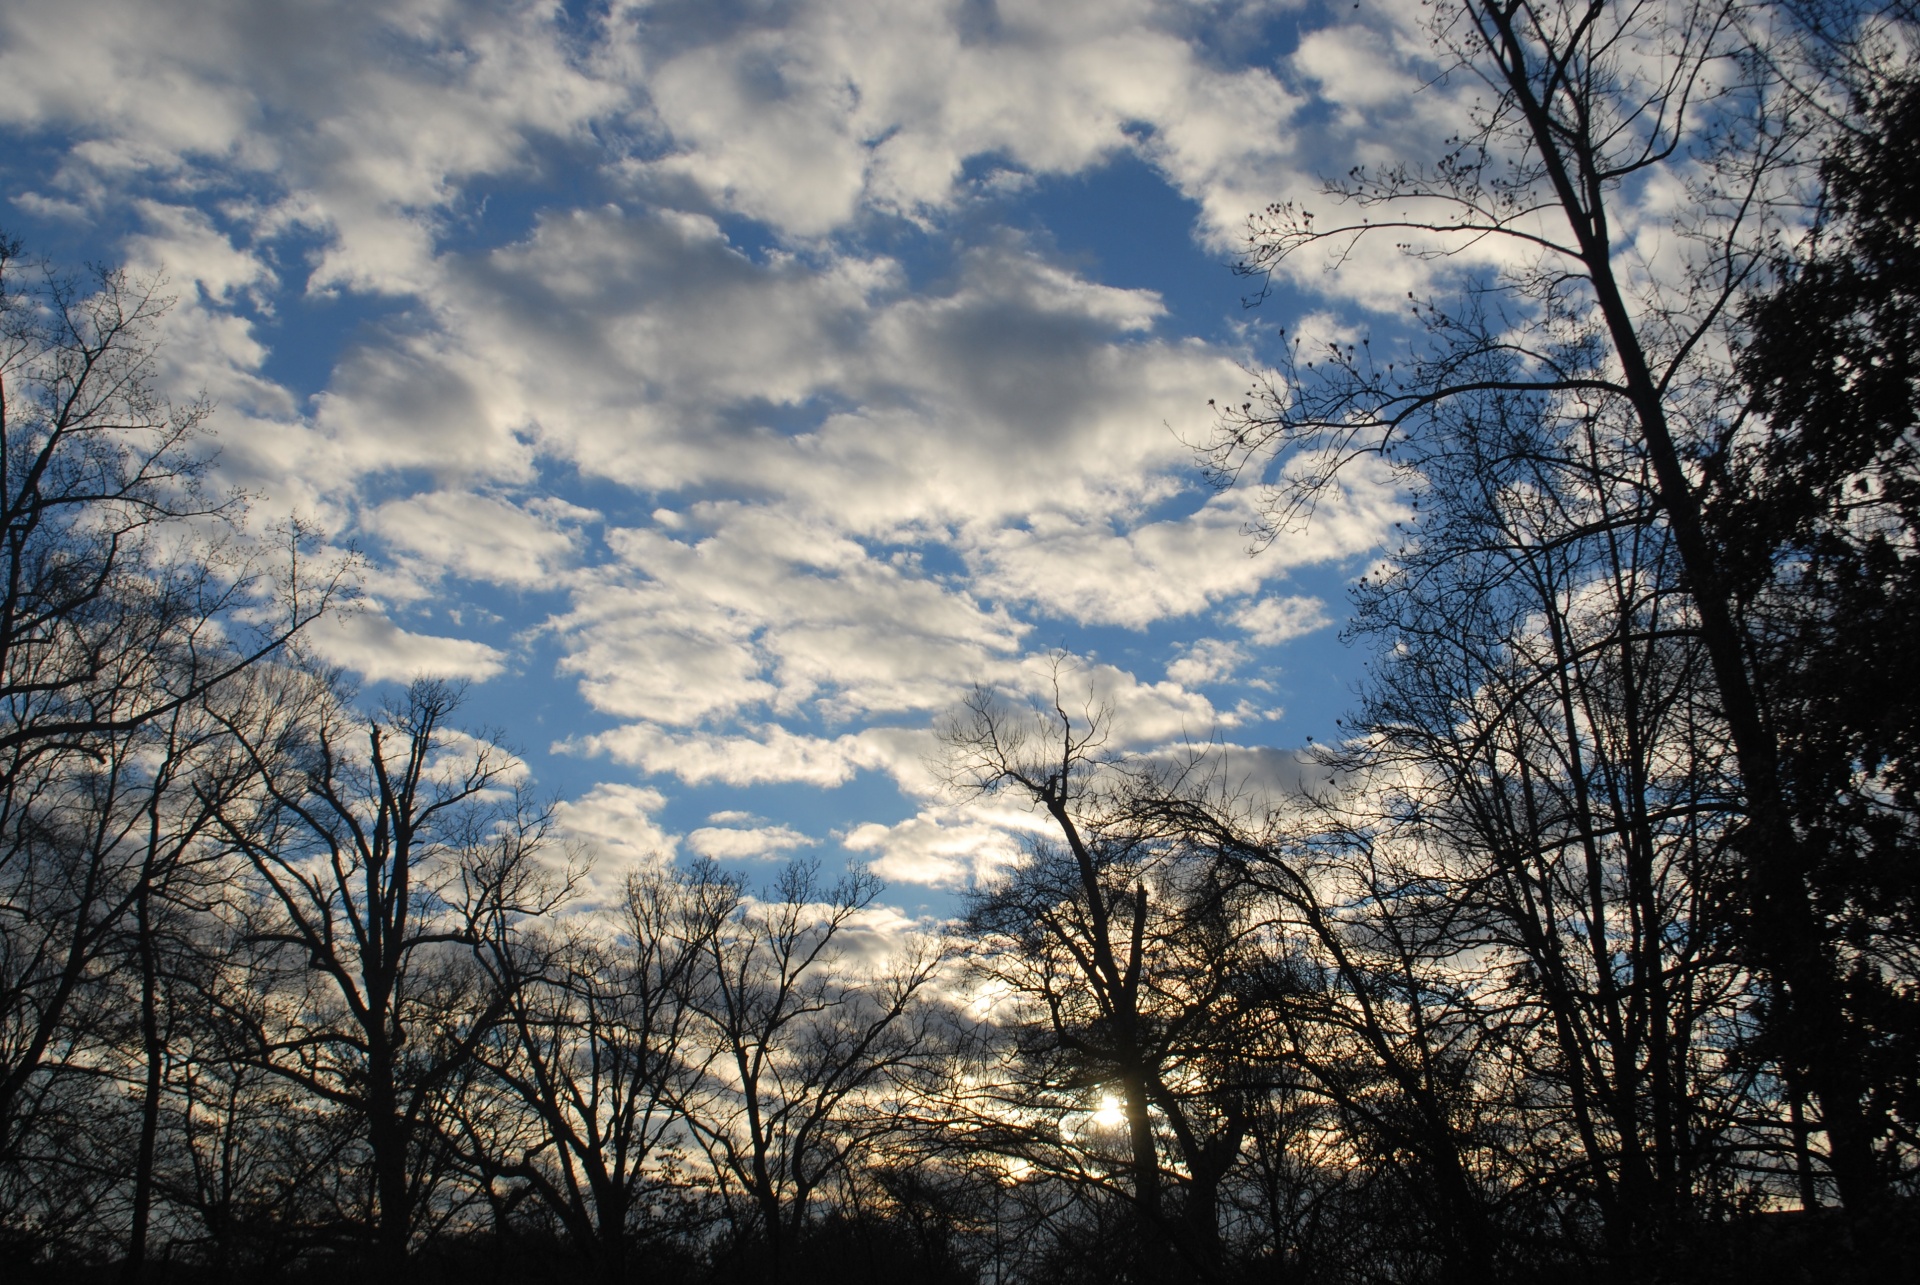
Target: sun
1110,1113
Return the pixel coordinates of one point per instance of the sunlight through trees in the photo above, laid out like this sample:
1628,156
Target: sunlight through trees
1590,951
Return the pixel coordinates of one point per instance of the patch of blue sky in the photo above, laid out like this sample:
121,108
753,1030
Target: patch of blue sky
752,238
491,213
47,220
1252,35
1122,224
308,332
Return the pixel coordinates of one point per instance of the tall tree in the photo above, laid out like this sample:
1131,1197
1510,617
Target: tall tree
1126,960
1817,510
190,772
380,847
1368,1013
125,590
1539,748
108,601
1588,103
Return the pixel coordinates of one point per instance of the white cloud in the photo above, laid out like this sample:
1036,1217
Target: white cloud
1272,621
1263,775
775,612
735,843
182,245
1134,712
458,753
814,111
1208,660
1011,418
646,349
950,847
1091,572
614,823
377,649
765,755
1097,573
881,936
417,402
1354,66
366,117
478,536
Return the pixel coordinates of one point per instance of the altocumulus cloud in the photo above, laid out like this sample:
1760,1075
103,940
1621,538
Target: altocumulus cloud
730,385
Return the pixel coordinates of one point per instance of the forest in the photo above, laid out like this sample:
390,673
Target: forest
1590,952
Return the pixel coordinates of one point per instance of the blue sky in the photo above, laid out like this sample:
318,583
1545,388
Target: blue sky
725,388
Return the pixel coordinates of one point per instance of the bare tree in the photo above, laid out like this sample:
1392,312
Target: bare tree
104,624
190,773
1362,1003
377,862
1539,763
800,1047
1589,101
117,608
596,1046
251,1171
1128,962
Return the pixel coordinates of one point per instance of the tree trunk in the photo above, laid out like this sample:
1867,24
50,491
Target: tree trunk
387,1137
131,1269
610,1235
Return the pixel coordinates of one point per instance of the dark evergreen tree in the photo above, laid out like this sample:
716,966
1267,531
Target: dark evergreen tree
1819,513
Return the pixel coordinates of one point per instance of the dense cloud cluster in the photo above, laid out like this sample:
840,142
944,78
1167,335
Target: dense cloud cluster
721,360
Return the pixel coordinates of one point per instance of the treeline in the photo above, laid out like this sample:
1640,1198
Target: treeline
289,988
1591,952
293,990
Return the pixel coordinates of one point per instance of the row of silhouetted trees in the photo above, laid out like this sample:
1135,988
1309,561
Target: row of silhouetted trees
1592,949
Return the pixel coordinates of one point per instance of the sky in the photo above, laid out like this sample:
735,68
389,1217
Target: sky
723,388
